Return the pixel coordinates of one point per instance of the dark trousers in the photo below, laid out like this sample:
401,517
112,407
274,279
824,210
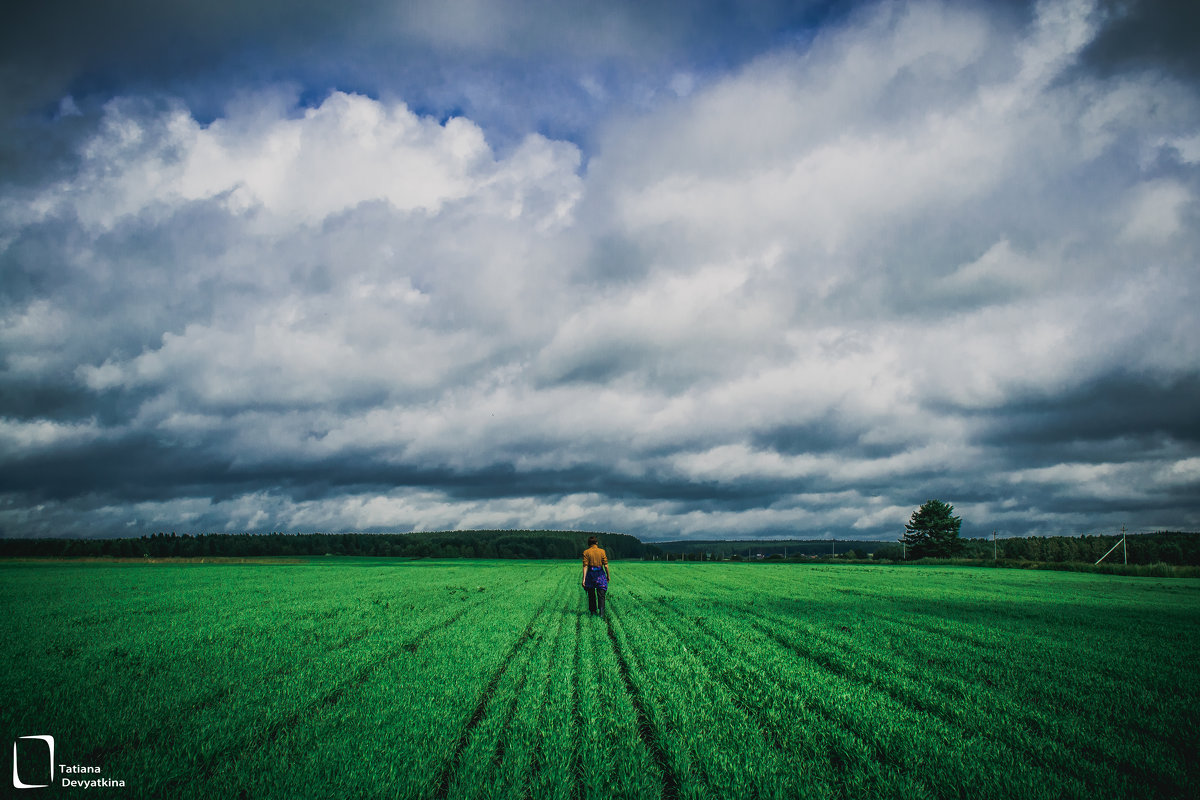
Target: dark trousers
596,597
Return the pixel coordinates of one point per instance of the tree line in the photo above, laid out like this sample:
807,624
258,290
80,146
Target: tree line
1166,547
933,532
441,544
702,549
1162,547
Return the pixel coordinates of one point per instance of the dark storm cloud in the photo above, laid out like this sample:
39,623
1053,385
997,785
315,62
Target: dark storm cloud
1109,409
1148,34
826,435
140,468
132,469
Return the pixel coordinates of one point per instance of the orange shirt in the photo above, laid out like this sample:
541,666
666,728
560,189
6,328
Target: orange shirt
595,557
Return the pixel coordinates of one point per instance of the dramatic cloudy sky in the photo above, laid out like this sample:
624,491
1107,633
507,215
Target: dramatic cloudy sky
677,269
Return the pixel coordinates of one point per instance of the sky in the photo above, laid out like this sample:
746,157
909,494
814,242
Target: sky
676,269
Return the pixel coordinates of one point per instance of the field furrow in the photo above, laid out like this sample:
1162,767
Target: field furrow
470,679
975,720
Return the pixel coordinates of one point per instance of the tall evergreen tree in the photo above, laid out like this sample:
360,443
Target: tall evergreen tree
933,531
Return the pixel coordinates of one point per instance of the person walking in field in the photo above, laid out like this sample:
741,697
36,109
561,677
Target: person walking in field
595,575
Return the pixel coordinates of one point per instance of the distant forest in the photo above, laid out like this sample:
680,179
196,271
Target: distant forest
1166,547
752,548
442,544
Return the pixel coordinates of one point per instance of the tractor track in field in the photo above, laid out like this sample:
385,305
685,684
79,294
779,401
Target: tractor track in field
220,694
535,758
1034,751
764,725
946,690
443,782
761,623
215,697
330,698
829,663
675,624
648,733
364,673
212,699
910,617
576,713
510,714
663,619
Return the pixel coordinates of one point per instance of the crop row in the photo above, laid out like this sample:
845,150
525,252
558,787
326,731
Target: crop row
489,679
865,702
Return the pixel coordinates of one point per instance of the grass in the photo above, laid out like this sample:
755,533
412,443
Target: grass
362,678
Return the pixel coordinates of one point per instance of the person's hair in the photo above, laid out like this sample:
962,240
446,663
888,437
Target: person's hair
592,540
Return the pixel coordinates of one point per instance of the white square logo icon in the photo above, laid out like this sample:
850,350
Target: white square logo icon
17,782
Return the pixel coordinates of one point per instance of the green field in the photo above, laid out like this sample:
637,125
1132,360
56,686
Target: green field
383,678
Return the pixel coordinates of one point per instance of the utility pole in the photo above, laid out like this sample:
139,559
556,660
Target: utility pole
1120,543
994,551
